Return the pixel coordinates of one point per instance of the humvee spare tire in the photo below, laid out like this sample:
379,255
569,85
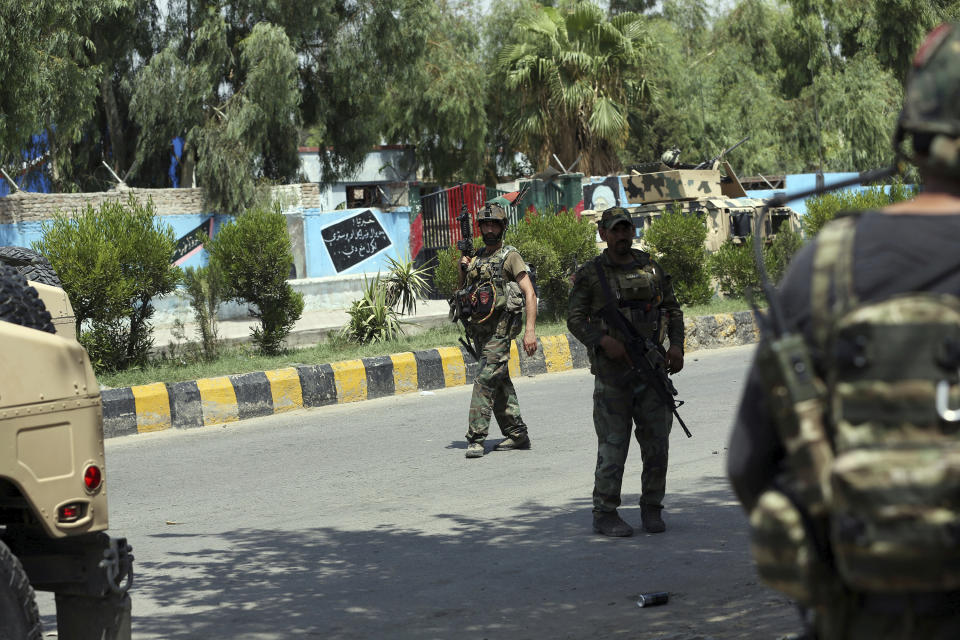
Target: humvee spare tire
19,302
30,264
18,606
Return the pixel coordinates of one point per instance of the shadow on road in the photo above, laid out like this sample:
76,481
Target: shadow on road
538,574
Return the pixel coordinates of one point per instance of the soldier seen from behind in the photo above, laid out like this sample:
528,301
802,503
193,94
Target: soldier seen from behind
622,397
846,448
495,288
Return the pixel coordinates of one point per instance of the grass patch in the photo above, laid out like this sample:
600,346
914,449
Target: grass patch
245,359
719,305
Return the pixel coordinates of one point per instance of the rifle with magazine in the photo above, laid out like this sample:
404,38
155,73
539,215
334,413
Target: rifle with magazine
645,355
459,307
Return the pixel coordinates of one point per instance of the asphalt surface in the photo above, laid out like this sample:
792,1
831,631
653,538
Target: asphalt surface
365,520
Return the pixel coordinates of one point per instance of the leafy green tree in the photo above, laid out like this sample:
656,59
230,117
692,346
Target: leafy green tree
573,74
437,103
237,131
252,252
112,261
48,77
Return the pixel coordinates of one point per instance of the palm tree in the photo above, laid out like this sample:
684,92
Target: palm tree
572,76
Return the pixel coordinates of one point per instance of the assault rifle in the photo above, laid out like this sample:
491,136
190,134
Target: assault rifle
465,246
645,355
709,163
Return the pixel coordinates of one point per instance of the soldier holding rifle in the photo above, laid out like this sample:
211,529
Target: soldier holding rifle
495,290
621,305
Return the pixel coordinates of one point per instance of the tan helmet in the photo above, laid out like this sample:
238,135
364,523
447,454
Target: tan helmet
495,209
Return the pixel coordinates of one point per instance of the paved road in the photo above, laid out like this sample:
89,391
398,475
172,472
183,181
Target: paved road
366,521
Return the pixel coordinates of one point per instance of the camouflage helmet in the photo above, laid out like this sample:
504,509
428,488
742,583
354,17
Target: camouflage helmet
931,103
494,209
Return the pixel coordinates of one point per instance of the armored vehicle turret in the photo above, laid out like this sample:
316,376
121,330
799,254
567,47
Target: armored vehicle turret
710,189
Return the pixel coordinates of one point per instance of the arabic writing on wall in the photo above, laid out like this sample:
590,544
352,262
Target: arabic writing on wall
355,239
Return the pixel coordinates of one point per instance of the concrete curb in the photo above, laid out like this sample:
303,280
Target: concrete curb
211,401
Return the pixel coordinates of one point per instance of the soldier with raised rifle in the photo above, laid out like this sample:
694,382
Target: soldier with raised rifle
494,289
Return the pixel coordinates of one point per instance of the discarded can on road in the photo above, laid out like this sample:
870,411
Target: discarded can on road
653,598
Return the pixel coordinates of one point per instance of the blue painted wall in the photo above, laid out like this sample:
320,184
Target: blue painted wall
395,224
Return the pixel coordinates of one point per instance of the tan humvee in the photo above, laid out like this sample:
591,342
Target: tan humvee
710,189
53,490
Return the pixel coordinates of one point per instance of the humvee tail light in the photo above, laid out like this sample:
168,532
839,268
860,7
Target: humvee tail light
92,477
71,512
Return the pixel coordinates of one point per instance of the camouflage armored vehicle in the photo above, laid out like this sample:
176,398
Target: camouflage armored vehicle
710,189
53,490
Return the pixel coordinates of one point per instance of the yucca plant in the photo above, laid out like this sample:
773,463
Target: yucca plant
405,284
372,319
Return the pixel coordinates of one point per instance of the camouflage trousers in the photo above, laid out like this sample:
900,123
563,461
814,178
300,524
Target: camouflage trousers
616,408
852,619
493,392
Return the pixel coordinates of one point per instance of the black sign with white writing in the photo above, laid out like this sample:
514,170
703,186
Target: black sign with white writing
355,239
193,241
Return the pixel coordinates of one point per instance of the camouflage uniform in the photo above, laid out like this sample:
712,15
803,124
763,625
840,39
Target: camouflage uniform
621,397
493,392
870,300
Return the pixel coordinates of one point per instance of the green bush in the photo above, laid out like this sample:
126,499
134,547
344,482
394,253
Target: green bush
824,208
204,286
555,244
777,255
372,317
113,261
405,284
253,254
677,242
734,269
445,270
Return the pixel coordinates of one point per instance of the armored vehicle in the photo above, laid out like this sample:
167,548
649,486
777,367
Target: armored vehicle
53,481
710,189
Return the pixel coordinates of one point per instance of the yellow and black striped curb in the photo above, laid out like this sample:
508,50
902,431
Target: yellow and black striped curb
211,401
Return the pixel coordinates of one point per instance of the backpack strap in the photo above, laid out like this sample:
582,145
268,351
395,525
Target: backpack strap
832,265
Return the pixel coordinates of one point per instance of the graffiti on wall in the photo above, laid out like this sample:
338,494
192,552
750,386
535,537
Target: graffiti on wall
192,241
602,195
355,239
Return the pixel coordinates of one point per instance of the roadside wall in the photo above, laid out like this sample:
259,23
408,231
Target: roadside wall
333,250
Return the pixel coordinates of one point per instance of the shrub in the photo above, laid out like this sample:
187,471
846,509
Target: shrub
445,271
777,255
677,242
112,261
824,208
405,284
555,244
204,287
733,267
253,254
372,318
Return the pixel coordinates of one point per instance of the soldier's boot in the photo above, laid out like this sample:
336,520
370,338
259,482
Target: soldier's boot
474,450
651,518
611,524
513,443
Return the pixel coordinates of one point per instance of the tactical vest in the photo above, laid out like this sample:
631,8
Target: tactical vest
492,303
870,497
639,292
